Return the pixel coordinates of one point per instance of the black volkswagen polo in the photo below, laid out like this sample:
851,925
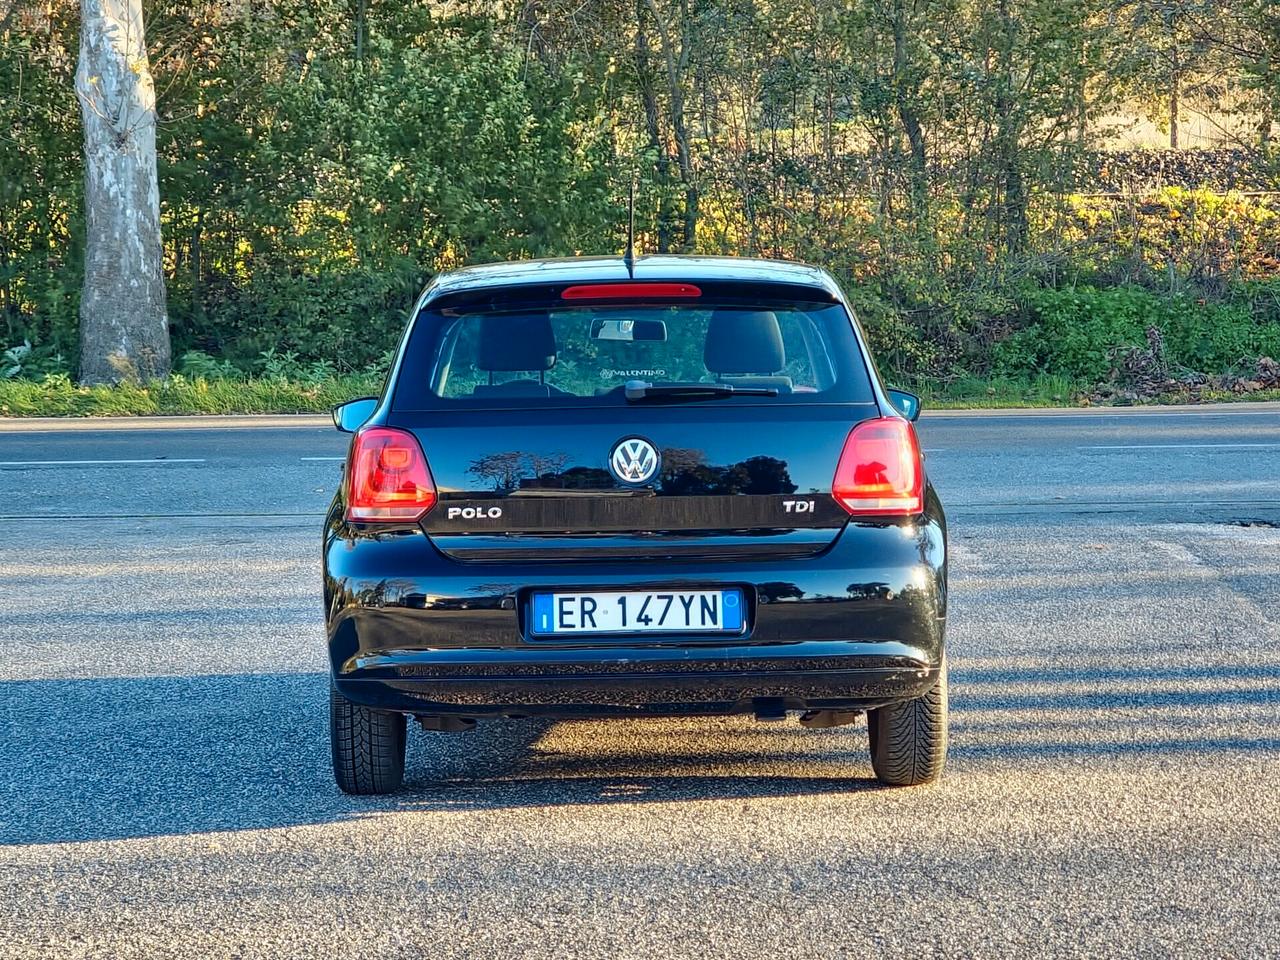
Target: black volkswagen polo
598,488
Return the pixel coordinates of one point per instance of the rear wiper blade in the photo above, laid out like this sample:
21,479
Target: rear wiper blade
637,390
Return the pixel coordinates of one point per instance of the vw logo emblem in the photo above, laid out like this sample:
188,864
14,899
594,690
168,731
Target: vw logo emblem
634,460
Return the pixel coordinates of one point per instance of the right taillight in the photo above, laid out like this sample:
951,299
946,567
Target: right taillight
879,472
388,478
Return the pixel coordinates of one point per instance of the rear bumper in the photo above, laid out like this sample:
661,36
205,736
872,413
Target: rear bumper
412,630
720,680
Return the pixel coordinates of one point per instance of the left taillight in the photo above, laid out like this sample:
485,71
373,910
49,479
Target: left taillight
388,479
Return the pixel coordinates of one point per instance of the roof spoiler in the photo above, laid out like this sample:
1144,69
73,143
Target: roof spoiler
747,293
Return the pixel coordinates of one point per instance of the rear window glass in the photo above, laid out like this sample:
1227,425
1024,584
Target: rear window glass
580,355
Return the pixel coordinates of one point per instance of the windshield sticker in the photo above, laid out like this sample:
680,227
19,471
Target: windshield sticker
609,373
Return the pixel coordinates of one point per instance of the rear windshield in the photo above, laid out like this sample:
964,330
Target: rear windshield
585,355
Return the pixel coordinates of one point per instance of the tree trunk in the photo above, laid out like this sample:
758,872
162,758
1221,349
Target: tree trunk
677,68
1175,80
124,329
1013,210
360,19
907,114
684,159
649,98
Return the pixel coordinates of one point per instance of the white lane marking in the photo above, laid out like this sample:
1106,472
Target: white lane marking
322,458
86,463
1263,409
1183,446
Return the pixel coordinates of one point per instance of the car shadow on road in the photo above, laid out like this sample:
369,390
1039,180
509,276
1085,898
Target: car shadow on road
113,758
568,763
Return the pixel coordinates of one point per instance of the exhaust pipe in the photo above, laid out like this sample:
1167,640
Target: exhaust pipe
825,719
770,709
447,724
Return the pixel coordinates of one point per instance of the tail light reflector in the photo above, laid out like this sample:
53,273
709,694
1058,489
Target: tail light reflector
879,472
388,477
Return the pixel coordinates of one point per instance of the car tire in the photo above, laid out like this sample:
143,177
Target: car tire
909,739
368,746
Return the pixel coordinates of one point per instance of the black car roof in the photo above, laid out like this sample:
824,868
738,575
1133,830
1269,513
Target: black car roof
569,270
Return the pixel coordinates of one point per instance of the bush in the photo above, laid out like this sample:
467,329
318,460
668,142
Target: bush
196,364
900,346
56,395
1077,332
352,315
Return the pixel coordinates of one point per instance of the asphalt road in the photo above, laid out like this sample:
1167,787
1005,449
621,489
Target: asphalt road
1113,787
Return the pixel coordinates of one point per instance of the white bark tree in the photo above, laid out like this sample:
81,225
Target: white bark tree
124,327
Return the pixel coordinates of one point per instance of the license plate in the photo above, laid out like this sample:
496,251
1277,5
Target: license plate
662,611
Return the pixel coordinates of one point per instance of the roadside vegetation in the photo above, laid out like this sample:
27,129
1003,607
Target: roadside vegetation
277,383
317,162
57,395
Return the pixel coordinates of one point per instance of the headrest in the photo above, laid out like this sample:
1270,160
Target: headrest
744,341
522,341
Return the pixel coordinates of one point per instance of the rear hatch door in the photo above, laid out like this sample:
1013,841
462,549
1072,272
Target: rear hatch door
568,430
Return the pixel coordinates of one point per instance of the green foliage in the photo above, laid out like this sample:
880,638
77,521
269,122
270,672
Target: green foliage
1078,332
283,367
898,344
924,152
306,195
30,362
338,186
56,396
41,179
12,360
196,364
1020,391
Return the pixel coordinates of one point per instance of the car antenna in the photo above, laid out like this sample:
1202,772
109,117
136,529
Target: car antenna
629,258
